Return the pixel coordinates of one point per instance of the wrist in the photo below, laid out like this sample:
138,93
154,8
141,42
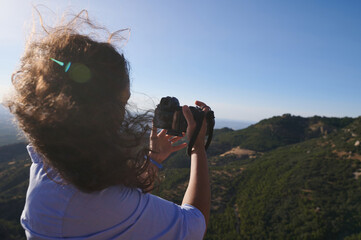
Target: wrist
154,157
198,150
158,165
199,143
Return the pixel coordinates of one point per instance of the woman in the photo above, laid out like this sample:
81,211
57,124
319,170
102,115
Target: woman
91,170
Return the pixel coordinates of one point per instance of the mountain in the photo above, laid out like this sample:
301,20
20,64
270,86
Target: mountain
233,124
8,131
14,174
308,190
286,177
283,130
268,134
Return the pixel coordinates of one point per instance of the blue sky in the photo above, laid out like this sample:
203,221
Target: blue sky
248,60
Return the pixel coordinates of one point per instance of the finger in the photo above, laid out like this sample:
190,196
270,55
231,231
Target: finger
206,109
172,139
162,133
178,147
203,106
200,104
176,139
153,133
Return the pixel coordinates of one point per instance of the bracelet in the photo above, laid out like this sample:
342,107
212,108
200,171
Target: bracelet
156,163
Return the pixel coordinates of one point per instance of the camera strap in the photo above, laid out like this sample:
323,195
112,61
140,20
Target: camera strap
199,123
210,126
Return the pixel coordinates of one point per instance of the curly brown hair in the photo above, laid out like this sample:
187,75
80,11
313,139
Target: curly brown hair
77,119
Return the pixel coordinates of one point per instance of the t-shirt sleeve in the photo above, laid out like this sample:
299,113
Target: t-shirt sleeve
167,220
194,218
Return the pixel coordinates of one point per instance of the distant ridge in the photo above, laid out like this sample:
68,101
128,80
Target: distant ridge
8,131
282,130
233,124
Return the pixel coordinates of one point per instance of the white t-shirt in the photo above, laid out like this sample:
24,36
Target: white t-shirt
56,211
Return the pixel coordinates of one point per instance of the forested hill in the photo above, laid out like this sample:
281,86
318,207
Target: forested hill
308,190
269,134
279,131
286,177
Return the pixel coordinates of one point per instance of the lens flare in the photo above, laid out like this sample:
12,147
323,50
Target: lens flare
67,66
80,73
58,62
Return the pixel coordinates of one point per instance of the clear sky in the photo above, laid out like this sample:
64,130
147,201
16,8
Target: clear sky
248,60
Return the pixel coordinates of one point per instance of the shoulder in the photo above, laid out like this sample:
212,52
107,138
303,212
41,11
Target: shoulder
162,219
131,214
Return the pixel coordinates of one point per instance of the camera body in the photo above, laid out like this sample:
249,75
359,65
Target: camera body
169,115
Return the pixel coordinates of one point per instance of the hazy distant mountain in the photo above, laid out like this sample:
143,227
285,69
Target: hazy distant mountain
286,177
8,131
4,113
234,124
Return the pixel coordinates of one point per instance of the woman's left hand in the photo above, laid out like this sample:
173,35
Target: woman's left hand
161,145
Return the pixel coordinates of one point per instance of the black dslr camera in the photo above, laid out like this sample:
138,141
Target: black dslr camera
168,115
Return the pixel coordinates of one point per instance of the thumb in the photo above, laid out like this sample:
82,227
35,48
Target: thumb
190,121
188,116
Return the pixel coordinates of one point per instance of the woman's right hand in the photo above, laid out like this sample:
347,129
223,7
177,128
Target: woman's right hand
199,143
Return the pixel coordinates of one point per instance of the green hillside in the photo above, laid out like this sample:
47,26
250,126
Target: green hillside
302,191
286,177
268,134
302,182
283,130
14,174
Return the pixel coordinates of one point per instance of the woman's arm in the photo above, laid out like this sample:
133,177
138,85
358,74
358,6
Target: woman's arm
198,193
